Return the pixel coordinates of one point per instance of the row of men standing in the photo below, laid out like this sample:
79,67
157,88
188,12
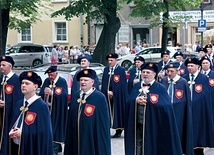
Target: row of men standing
191,97
147,115
28,124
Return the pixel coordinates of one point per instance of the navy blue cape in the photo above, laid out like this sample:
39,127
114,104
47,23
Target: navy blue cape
120,95
203,128
36,137
59,108
183,113
161,136
12,95
88,130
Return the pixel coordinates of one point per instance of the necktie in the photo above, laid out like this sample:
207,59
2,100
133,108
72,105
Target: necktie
205,73
171,90
192,77
21,117
83,96
5,78
112,70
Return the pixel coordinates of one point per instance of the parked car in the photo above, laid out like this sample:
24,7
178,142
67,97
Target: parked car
149,54
29,54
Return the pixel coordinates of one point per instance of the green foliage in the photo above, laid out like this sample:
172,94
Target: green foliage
24,13
93,9
152,9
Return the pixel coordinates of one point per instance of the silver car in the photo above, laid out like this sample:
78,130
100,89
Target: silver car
29,54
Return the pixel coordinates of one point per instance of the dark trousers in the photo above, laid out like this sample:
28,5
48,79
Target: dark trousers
139,140
199,151
14,148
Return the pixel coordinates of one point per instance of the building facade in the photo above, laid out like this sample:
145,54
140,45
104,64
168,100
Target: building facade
137,29
53,30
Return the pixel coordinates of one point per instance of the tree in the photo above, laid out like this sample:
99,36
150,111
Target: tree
19,15
99,10
152,9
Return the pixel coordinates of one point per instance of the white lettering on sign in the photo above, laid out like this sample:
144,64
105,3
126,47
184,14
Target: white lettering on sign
208,15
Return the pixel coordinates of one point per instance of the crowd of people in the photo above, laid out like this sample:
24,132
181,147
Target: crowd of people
69,55
164,109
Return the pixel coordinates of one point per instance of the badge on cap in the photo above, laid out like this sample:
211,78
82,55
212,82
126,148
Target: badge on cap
3,57
150,65
29,74
85,72
182,71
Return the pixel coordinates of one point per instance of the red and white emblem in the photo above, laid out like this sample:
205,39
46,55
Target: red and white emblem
154,98
198,88
211,81
179,93
58,90
30,118
89,109
116,78
9,89
182,71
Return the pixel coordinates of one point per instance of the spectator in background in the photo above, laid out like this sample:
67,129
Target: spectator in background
60,53
65,55
189,48
169,43
54,56
138,47
194,47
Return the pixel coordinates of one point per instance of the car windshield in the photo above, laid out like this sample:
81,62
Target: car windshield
146,51
14,49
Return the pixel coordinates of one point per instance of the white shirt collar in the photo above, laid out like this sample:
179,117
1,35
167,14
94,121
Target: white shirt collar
9,75
195,75
32,99
176,78
55,81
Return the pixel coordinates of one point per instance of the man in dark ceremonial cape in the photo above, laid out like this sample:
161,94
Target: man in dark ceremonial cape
159,135
114,87
54,92
88,130
135,72
179,58
178,90
84,60
202,115
10,93
30,128
165,56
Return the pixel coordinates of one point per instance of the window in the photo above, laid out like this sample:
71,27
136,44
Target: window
61,32
26,35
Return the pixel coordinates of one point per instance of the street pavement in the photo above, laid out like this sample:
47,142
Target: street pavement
117,144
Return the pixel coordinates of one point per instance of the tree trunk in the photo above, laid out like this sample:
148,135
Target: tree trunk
106,43
4,22
165,28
